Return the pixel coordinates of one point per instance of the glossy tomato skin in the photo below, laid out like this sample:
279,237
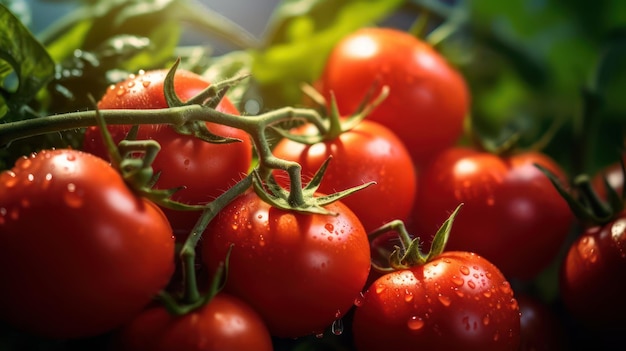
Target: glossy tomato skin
512,214
205,169
80,253
224,324
300,271
594,264
428,98
368,152
458,301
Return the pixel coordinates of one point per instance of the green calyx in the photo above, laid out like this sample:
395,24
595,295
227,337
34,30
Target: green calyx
337,124
410,253
306,201
585,202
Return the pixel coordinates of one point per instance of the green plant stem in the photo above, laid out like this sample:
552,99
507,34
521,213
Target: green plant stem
191,294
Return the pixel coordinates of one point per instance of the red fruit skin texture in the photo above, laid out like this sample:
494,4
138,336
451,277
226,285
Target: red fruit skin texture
205,169
458,301
428,98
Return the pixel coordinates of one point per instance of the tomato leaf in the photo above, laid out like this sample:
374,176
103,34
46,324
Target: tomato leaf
24,56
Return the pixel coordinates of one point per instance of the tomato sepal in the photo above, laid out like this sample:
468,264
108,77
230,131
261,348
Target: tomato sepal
305,200
410,253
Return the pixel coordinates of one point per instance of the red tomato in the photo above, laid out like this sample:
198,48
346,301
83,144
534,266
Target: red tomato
614,176
80,253
205,169
300,271
512,214
457,301
368,152
428,98
224,324
594,264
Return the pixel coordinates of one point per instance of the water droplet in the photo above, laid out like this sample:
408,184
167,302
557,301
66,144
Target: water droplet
235,226
415,323
145,83
319,335
130,84
337,327
330,238
408,296
25,203
23,162
121,91
491,201
496,336
464,270
486,319
73,197
471,284
445,300
380,289
30,177
186,162
505,287
358,301
329,227
8,179
457,280
487,293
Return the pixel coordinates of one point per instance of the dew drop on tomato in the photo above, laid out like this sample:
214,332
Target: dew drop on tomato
73,197
337,327
444,300
8,179
415,323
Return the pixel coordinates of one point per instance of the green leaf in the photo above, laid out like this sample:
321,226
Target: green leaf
24,56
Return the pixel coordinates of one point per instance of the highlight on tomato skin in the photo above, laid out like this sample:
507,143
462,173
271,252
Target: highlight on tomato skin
512,214
181,162
225,323
300,272
457,301
80,253
428,100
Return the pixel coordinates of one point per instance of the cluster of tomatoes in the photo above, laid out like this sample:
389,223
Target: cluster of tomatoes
85,255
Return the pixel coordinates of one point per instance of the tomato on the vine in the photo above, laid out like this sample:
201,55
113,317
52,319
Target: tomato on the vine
428,98
80,253
512,215
367,152
457,301
225,323
205,169
301,272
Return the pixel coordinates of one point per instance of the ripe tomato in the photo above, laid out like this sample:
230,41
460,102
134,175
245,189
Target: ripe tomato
368,152
224,324
512,214
300,271
594,263
80,253
205,169
428,98
613,174
457,301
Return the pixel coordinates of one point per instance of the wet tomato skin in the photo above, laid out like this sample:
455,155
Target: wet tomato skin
80,253
368,152
428,98
512,214
458,301
300,271
205,169
594,263
223,324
